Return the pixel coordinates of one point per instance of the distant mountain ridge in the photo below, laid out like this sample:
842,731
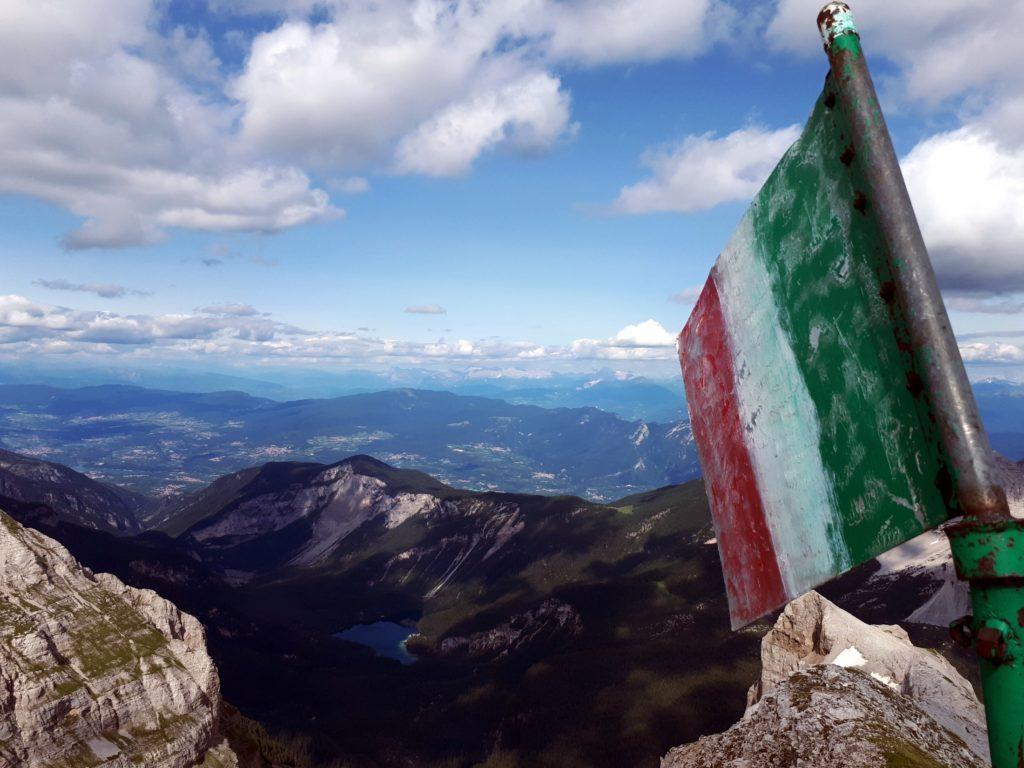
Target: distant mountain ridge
167,443
626,394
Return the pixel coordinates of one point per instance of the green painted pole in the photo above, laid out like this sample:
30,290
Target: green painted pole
988,544
991,556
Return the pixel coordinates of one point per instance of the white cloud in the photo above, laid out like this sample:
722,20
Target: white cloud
704,171
968,192
967,184
103,290
947,49
96,116
235,332
429,77
643,341
22,319
991,352
426,309
529,113
649,333
135,125
456,79
603,31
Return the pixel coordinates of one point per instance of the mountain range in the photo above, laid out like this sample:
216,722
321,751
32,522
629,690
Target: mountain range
628,395
165,443
543,630
536,617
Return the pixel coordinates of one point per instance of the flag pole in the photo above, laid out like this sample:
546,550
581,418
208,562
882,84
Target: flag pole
985,544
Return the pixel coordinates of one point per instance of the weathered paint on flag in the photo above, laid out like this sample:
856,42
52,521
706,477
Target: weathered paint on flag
818,447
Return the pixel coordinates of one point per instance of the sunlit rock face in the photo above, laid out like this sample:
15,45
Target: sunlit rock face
829,717
93,671
835,691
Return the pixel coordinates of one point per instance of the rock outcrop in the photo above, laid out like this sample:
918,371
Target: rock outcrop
552,621
829,717
95,672
835,691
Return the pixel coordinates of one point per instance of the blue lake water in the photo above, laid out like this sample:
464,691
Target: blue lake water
385,637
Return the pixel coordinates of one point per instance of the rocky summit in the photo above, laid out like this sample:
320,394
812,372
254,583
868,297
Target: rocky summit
95,672
835,692
830,717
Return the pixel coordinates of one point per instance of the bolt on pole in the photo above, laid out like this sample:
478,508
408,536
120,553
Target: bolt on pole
988,545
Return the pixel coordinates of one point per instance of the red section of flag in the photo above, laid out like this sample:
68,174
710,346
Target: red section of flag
752,576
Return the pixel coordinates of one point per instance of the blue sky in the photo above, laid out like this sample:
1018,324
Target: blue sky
195,182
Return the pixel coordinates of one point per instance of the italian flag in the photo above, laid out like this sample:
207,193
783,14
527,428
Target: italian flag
818,446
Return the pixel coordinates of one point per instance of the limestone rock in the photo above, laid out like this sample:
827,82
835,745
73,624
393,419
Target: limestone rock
835,692
829,717
813,631
93,671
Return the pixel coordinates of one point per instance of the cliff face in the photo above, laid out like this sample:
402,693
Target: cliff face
93,671
835,691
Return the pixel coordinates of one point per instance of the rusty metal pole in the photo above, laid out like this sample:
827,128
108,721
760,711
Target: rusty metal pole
985,544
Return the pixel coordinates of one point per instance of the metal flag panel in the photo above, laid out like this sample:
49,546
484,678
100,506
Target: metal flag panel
819,446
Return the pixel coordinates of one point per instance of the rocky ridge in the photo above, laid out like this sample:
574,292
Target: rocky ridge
93,671
835,691
70,494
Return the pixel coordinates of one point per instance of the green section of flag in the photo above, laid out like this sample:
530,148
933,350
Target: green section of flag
818,238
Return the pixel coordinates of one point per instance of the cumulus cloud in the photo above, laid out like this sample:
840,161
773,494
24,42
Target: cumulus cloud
704,171
605,31
98,116
22,319
458,78
426,309
233,332
134,124
103,290
529,114
955,47
343,93
991,352
643,341
968,192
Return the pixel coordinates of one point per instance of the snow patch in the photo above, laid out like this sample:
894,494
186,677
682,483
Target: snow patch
850,657
886,680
